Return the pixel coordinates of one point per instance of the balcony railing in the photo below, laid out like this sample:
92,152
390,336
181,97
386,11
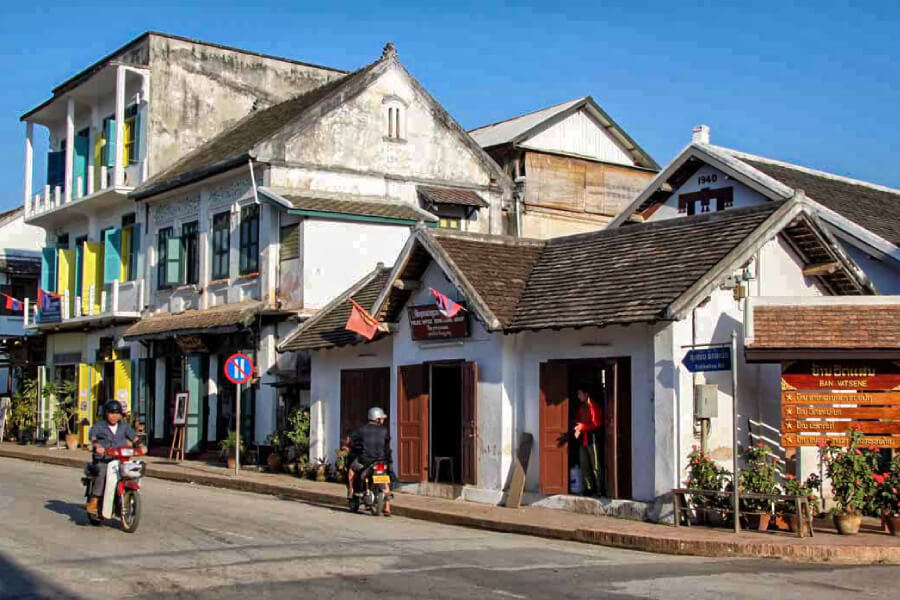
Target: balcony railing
115,302
55,196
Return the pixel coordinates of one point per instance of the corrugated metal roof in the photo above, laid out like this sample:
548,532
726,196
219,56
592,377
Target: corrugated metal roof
506,131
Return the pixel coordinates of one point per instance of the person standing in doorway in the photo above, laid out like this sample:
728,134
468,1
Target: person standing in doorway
589,432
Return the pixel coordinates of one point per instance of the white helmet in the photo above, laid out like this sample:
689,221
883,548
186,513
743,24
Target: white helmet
376,413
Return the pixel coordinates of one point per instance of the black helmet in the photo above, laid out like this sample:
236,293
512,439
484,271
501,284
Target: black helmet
112,406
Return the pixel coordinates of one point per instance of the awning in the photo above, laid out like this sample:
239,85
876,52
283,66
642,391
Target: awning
226,318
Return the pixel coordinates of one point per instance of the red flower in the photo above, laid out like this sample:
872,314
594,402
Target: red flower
873,448
789,477
894,490
761,445
696,461
858,451
878,478
858,482
820,443
694,447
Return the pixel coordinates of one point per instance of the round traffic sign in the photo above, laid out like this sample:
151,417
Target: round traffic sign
238,368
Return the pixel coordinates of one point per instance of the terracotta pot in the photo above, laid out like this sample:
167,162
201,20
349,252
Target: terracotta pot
231,462
759,522
893,524
794,523
72,441
320,473
274,462
847,523
714,517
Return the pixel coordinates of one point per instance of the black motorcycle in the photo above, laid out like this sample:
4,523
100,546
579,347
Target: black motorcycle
370,488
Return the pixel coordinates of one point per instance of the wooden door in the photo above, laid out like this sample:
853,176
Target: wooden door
412,422
623,426
469,423
610,431
554,428
362,389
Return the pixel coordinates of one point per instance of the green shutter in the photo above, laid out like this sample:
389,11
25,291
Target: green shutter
112,259
48,269
173,260
135,250
137,135
110,148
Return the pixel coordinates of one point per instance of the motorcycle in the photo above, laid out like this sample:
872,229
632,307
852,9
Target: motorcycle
370,488
121,498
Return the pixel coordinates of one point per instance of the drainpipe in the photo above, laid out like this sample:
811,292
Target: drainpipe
517,198
253,180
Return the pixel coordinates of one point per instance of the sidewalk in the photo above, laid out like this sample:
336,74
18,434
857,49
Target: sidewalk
865,548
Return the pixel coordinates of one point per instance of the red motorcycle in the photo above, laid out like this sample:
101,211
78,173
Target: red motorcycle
121,496
370,487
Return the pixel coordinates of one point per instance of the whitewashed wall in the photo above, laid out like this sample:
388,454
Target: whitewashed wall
580,134
743,196
885,274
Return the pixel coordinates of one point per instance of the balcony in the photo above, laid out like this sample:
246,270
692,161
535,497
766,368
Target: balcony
112,304
54,207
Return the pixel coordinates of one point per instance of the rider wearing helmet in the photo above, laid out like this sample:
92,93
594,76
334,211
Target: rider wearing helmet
112,432
368,444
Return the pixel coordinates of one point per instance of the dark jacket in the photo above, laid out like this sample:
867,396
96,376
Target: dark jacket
370,443
102,435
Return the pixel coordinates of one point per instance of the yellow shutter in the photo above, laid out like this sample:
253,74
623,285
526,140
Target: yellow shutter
128,139
66,276
85,388
92,274
123,384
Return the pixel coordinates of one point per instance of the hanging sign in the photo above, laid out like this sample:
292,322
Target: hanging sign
841,375
708,359
428,324
191,344
238,368
793,440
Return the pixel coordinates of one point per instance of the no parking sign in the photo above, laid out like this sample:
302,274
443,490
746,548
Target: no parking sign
238,368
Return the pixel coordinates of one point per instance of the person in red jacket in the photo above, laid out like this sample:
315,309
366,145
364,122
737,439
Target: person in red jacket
589,433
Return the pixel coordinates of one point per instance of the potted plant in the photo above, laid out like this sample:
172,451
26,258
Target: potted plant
850,470
65,416
228,446
23,411
887,496
341,463
297,436
705,475
274,461
758,477
807,489
321,469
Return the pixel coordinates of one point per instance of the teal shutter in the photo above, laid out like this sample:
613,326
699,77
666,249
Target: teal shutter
173,260
137,135
112,255
110,148
80,164
48,269
56,168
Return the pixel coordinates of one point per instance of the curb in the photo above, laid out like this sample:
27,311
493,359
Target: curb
644,543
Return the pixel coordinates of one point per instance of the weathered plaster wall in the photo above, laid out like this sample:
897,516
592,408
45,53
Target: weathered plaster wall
192,81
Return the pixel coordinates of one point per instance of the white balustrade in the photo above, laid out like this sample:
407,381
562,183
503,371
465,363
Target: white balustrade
115,296
66,307
78,311
57,194
103,177
90,179
91,300
102,302
27,310
79,190
46,197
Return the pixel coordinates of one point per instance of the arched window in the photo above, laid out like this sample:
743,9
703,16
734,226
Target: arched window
395,117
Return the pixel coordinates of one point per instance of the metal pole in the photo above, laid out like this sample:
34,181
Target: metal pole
734,430
237,432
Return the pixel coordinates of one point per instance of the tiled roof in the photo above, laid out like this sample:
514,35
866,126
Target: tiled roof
874,208
190,321
326,328
629,274
840,326
442,195
356,205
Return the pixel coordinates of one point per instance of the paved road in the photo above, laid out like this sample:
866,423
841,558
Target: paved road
197,542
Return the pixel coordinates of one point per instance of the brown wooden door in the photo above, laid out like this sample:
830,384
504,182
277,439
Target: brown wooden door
623,426
469,423
610,431
362,389
412,422
554,429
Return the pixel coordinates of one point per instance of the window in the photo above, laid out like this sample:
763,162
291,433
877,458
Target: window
448,223
221,244
249,262
191,250
130,248
162,257
290,242
19,288
396,126
130,135
62,240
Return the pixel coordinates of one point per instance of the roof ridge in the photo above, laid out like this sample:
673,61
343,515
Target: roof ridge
808,170
488,238
572,101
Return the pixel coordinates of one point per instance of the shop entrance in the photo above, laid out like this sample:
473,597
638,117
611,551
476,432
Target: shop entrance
609,381
436,422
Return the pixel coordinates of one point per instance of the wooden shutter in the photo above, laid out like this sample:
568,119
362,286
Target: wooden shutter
173,260
48,269
112,256
290,242
66,278
611,445
109,136
92,276
136,134
412,423
122,383
470,423
554,428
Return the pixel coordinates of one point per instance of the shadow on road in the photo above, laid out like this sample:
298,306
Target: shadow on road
17,582
74,511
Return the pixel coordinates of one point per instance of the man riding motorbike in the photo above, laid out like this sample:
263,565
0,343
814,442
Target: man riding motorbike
112,432
368,444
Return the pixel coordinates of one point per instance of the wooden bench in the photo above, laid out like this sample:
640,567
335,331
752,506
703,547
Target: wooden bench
684,509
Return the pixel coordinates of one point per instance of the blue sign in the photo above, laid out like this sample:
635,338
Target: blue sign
708,359
238,368
50,310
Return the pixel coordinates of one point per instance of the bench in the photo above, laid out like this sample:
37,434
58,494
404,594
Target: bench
685,510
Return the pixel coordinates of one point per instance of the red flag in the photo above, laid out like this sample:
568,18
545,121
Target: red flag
361,321
446,306
12,304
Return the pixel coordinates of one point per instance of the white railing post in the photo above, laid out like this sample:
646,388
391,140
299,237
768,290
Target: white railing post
104,177
64,313
56,196
37,203
90,179
115,296
46,197
78,310
91,297
79,192
103,298
25,315
29,161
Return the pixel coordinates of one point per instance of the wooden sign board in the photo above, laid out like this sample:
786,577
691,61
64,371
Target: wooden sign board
428,324
520,469
793,426
862,398
840,375
793,440
794,411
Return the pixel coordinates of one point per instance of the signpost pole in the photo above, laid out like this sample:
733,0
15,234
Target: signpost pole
237,432
734,432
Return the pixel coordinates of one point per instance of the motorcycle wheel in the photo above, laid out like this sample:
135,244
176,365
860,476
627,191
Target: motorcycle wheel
378,507
354,504
131,511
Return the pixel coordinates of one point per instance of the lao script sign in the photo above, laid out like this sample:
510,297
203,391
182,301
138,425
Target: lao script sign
427,323
708,359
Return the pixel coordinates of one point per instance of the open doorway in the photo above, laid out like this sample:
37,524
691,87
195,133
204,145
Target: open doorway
446,423
608,381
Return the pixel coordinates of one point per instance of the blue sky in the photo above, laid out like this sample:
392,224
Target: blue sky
817,83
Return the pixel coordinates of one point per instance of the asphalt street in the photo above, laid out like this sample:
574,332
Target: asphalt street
198,542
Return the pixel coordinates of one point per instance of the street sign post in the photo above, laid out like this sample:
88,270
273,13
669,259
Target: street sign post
238,370
708,359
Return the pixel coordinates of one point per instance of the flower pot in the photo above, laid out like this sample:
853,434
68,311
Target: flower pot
72,441
321,473
759,522
274,462
291,468
231,462
893,524
847,523
714,517
795,522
